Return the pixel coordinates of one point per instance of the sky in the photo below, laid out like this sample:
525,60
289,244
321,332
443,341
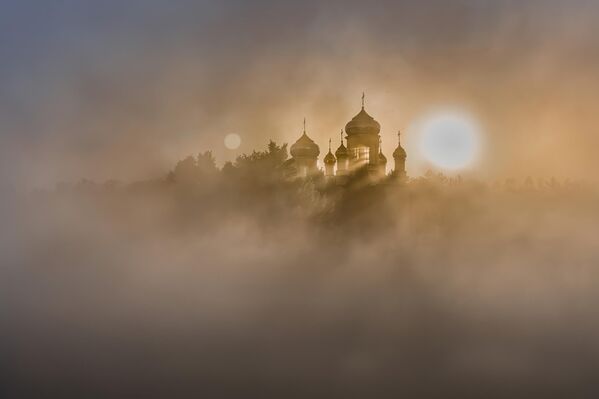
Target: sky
106,89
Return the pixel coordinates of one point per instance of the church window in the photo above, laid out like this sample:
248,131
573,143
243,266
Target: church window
362,153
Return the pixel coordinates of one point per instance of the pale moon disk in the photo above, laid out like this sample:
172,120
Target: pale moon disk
232,141
450,140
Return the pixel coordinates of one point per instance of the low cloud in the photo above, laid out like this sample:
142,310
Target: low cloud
179,289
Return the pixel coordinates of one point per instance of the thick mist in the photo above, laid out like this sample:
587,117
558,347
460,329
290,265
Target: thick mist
233,282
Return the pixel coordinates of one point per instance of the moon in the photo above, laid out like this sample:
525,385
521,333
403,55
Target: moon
232,141
450,140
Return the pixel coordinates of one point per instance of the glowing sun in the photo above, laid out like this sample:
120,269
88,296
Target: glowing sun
449,140
232,141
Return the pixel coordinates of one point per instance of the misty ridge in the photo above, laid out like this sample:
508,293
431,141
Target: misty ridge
239,281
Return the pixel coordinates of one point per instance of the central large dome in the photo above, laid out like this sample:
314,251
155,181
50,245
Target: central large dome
362,124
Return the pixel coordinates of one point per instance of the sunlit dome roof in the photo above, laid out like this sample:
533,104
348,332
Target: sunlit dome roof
399,153
382,158
341,152
362,124
305,147
330,159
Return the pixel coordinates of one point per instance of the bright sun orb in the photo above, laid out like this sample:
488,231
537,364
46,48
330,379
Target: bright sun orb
232,141
449,140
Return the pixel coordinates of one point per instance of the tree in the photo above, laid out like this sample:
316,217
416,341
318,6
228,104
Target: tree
263,164
228,168
186,170
194,170
206,163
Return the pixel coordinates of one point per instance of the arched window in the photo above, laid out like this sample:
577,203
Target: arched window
362,154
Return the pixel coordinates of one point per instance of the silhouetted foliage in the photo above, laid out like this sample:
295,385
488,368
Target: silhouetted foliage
263,165
194,170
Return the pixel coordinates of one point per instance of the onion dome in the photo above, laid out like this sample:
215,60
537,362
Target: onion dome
330,159
305,147
399,151
342,150
382,158
362,123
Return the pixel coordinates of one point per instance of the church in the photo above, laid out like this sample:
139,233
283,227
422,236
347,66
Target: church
363,150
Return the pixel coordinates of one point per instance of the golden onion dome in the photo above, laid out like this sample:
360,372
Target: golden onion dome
305,147
330,159
382,158
362,124
399,151
341,152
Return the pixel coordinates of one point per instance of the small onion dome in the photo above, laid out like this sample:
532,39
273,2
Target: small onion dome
341,152
382,158
399,153
330,159
305,148
362,124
